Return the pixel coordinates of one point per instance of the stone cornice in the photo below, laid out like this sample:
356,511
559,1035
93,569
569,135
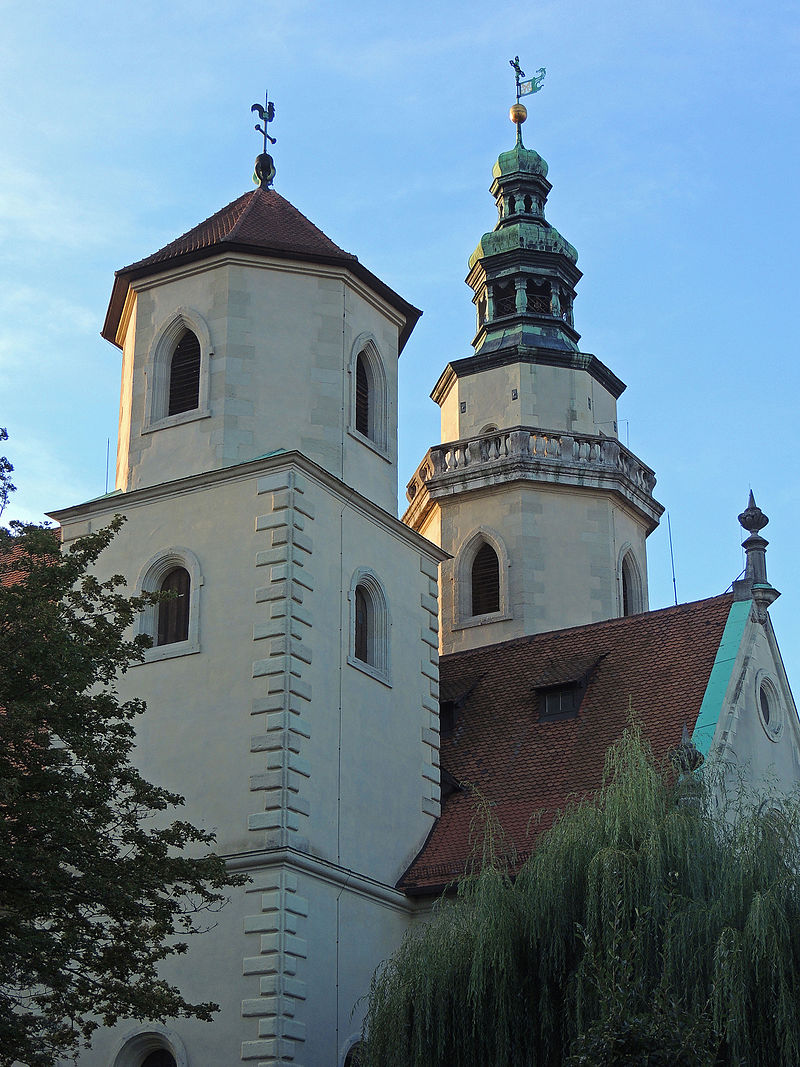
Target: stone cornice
114,503
323,870
547,357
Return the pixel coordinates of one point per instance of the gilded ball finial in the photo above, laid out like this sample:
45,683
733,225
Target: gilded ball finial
518,113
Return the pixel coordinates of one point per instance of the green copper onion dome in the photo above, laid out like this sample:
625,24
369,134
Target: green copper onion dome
520,160
523,272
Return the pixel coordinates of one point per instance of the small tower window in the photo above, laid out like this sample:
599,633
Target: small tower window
527,203
173,614
184,375
485,581
512,204
362,396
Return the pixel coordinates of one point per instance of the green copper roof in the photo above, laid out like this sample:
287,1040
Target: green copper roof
536,236
520,160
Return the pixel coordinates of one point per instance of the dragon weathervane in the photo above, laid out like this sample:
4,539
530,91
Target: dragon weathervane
265,165
529,85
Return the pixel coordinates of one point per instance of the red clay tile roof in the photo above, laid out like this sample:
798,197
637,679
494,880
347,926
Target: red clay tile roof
260,222
658,663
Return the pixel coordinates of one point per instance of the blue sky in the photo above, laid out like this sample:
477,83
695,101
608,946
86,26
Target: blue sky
671,132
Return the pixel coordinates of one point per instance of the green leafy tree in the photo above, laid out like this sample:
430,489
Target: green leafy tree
98,882
656,924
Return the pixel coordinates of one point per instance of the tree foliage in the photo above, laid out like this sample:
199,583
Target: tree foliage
657,924
97,887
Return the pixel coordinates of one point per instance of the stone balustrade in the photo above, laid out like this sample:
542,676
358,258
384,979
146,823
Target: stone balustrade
532,446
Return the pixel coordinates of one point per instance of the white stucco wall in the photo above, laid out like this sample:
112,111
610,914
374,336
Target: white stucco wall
281,339
563,546
281,744
554,398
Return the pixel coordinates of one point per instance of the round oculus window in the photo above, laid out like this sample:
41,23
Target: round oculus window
769,710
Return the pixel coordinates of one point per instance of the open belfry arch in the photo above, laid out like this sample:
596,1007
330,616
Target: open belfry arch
293,688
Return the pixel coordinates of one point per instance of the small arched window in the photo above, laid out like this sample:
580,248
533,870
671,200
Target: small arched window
184,375
173,613
369,631
485,581
173,625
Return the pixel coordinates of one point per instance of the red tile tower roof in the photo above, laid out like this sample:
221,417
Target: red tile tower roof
657,664
261,223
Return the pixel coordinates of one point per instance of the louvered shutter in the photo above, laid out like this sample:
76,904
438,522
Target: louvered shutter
184,375
362,396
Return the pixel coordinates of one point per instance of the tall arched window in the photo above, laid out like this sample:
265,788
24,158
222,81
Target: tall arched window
364,624
369,625
631,592
485,581
369,404
184,375
173,614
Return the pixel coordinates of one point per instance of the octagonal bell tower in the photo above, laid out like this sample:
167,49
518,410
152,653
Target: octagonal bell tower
544,512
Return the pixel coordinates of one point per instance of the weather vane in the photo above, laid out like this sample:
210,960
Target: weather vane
265,165
531,85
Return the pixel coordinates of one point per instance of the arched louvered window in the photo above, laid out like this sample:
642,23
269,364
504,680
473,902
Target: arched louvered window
160,1058
485,581
363,420
184,375
173,614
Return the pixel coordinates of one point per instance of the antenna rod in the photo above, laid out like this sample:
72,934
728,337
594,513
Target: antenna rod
108,451
672,559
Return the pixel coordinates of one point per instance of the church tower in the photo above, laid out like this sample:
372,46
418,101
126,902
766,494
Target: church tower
292,681
542,509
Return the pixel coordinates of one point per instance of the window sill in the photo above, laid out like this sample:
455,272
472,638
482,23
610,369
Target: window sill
373,672
172,651
481,620
177,420
373,446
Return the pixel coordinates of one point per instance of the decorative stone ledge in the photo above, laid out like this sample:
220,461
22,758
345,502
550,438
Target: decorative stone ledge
530,453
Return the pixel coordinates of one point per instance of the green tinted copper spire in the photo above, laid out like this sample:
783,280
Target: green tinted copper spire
524,272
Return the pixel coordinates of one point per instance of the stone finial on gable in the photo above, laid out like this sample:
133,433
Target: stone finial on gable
755,585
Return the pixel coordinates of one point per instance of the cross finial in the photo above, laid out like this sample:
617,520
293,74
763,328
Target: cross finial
265,166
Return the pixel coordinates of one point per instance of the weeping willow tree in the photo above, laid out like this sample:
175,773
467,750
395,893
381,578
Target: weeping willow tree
657,924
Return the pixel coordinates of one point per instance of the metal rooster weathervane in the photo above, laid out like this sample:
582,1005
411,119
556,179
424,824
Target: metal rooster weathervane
265,165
